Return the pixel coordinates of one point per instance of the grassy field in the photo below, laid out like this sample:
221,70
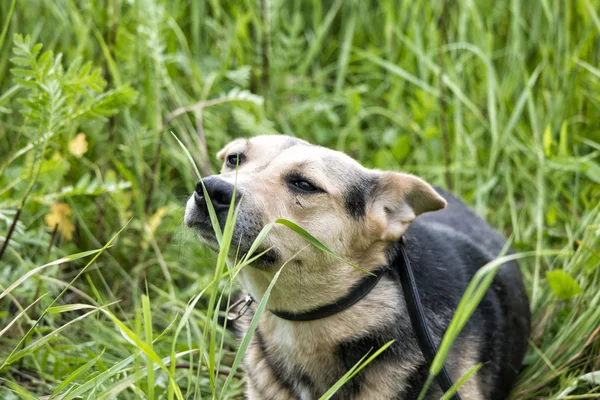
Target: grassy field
496,100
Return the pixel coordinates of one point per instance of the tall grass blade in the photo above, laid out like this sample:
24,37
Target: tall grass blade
147,315
15,319
316,243
461,381
146,349
76,374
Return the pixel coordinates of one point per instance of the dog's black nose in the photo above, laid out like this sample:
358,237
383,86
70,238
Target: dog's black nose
219,191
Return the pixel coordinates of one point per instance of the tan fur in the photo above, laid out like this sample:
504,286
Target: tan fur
465,357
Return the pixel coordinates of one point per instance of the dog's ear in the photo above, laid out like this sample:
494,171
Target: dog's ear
396,200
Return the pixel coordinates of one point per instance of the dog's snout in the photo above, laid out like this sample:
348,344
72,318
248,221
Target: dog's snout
219,191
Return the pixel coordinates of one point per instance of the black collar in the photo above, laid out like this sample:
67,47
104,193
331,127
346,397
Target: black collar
359,291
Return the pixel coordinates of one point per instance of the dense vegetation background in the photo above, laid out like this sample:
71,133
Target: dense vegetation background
496,100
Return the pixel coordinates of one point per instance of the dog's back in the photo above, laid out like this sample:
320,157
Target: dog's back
446,249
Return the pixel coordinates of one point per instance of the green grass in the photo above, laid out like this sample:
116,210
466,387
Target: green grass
496,100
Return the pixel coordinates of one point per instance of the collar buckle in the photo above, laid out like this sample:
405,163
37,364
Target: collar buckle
244,304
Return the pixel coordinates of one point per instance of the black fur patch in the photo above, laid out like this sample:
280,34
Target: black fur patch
356,196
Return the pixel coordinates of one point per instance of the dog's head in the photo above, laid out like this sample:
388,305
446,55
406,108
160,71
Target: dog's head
355,211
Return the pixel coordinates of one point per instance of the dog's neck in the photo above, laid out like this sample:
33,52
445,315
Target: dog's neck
298,290
314,346
301,286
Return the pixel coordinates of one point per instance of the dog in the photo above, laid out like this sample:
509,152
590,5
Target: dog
361,215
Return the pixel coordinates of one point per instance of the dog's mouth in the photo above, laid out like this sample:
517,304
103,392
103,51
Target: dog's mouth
241,241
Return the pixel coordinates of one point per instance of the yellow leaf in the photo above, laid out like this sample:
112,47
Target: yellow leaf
156,219
59,215
78,146
153,224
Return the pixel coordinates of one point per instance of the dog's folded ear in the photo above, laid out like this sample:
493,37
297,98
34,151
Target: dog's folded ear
397,199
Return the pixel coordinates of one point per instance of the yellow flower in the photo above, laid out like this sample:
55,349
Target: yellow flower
78,146
60,215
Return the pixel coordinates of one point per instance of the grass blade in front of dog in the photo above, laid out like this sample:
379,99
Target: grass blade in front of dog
250,332
224,247
259,239
211,210
461,381
316,243
354,370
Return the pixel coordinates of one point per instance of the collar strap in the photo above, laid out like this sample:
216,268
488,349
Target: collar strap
359,291
417,318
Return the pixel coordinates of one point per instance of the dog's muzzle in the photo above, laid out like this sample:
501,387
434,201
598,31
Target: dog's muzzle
220,193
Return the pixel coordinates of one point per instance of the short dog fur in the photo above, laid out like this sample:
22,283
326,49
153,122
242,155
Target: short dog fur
360,214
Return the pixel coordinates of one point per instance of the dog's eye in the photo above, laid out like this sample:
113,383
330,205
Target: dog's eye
303,185
234,160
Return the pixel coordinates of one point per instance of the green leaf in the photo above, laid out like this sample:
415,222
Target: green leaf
548,141
259,239
563,148
551,215
313,241
250,332
3,331
147,349
75,374
471,298
381,159
69,307
31,348
592,171
562,284
448,395
21,391
211,210
63,260
147,314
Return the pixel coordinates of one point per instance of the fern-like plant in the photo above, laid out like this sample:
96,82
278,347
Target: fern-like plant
55,97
